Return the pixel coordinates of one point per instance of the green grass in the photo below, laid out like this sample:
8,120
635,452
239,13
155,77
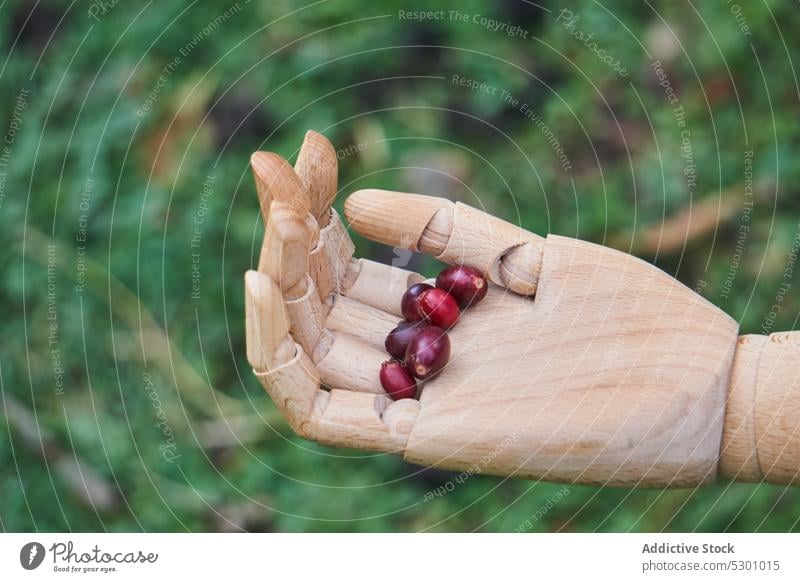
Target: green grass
113,142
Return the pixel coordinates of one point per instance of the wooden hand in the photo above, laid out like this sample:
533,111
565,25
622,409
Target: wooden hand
583,364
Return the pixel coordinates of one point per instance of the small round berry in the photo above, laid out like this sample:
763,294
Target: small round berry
439,307
428,352
396,380
466,285
398,339
409,304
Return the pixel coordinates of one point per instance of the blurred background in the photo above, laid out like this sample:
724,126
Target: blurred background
128,217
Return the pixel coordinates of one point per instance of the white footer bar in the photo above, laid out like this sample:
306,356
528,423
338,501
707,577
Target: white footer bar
399,557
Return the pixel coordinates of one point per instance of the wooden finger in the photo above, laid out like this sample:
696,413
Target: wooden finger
349,364
381,286
317,168
363,322
285,258
366,421
266,323
285,250
281,365
276,180
454,233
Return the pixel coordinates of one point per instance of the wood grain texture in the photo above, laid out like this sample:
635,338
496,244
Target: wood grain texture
266,323
616,374
293,387
307,316
739,451
276,180
777,416
454,233
363,322
382,286
350,364
338,248
284,253
318,168
353,419
374,214
485,242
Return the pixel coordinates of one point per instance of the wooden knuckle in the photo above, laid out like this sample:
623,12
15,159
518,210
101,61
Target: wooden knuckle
392,218
338,248
350,364
307,316
293,387
285,250
366,421
382,286
509,255
320,269
266,323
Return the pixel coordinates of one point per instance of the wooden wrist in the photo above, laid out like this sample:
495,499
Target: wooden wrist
761,432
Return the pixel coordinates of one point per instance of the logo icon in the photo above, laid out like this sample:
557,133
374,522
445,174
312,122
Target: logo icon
31,555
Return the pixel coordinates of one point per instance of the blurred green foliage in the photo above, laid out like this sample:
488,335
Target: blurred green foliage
124,111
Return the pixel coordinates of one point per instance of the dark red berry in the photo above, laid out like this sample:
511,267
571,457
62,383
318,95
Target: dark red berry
409,305
428,352
397,381
397,340
466,285
439,307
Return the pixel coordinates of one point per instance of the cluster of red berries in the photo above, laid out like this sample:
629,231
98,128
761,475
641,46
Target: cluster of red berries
419,346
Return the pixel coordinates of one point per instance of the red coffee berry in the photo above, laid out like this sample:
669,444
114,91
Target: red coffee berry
428,352
409,304
397,341
439,307
467,285
397,381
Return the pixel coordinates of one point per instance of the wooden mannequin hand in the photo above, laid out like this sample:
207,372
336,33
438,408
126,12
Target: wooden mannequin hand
583,364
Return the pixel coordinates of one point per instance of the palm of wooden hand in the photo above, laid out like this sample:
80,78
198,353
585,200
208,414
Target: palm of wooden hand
582,364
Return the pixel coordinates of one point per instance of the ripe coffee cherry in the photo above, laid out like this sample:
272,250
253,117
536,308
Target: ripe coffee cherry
439,307
466,285
396,380
398,339
409,305
428,352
